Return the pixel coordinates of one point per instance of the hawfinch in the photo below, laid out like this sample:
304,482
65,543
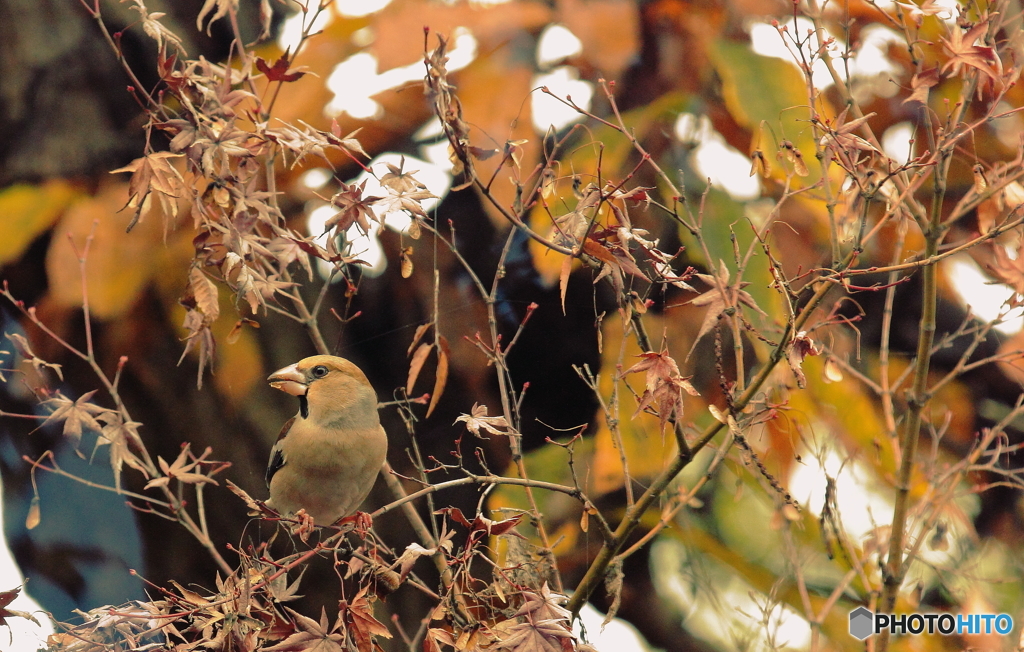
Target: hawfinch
327,456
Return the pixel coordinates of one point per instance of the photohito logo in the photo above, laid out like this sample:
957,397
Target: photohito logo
864,623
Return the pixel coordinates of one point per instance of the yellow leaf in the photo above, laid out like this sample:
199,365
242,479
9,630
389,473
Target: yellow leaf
119,265
609,31
28,211
239,363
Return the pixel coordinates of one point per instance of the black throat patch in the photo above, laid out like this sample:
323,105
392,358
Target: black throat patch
304,406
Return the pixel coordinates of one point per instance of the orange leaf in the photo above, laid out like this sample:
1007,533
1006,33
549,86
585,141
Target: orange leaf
416,365
417,336
443,353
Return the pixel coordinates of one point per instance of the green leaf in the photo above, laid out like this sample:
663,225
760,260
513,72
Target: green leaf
757,88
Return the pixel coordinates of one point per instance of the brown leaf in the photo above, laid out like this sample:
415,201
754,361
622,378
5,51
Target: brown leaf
311,636
418,335
205,292
963,52
441,377
360,624
664,385
153,173
800,347
121,436
416,365
920,83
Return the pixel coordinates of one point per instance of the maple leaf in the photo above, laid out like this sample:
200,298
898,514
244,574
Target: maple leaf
411,202
842,140
77,415
311,636
279,71
181,470
399,180
664,385
547,605
347,142
721,297
120,435
963,52
286,250
222,6
356,208
478,420
538,636
152,173
360,624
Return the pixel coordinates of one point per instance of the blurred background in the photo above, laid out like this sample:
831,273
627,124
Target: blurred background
697,80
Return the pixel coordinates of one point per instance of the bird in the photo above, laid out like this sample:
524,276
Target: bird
328,455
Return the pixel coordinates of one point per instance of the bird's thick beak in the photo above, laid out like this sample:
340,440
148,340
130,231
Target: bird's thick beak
289,380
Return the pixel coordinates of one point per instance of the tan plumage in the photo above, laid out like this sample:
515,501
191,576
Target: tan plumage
327,456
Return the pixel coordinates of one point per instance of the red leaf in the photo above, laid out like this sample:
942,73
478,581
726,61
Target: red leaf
279,72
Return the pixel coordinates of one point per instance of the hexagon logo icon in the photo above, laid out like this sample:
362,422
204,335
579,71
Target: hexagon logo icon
862,622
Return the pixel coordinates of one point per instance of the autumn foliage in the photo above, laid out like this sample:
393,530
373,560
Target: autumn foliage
606,373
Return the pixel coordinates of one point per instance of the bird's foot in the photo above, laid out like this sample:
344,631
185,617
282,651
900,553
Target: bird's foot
360,523
303,525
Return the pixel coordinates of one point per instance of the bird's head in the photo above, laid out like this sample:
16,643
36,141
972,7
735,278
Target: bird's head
328,388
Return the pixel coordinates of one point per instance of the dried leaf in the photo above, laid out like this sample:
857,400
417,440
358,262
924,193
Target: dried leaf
6,598
205,292
478,420
77,415
312,636
360,624
416,365
20,343
418,335
441,378
406,260
664,385
613,579
34,515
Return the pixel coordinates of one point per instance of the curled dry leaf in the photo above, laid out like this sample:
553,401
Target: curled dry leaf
478,420
664,385
25,350
799,348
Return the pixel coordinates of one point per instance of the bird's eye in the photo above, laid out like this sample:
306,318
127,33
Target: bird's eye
319,371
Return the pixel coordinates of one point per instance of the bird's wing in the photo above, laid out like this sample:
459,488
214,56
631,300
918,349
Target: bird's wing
277,452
